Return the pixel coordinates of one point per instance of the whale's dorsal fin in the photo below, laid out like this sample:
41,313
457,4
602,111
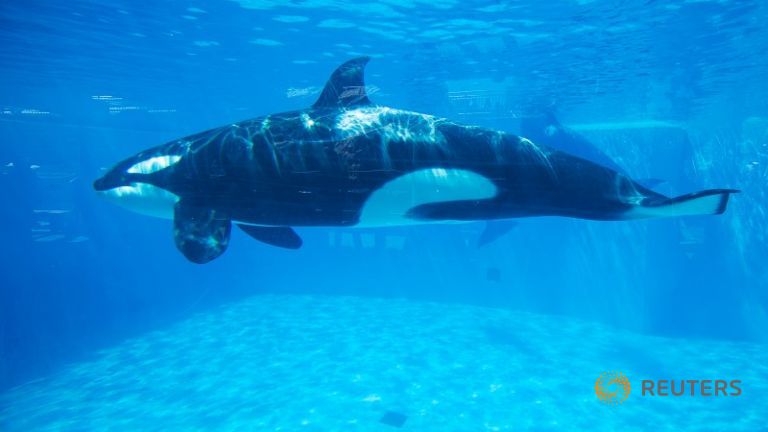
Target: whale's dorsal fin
346,87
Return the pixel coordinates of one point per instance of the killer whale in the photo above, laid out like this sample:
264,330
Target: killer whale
546,129
346,161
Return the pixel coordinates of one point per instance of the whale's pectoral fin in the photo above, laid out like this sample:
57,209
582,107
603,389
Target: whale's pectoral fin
284,237
708,202
346,86
200,233
494,230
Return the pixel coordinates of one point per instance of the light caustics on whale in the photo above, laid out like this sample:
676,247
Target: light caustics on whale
346,161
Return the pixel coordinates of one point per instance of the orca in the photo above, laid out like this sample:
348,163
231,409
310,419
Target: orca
348,162
546,129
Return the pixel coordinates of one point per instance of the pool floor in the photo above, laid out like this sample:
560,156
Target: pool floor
291,363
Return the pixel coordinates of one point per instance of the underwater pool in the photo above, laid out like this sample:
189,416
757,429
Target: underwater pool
421,215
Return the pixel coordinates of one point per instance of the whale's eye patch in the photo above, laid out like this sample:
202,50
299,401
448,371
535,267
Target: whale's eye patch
153,164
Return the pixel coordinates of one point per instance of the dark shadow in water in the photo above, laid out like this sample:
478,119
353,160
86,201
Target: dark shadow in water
507,337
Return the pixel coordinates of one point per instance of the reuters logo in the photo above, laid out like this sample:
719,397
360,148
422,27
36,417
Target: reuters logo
612,388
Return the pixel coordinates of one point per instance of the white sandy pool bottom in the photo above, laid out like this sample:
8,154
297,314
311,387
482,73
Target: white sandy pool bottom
294,363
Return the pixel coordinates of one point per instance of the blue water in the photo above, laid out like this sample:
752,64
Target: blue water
104,325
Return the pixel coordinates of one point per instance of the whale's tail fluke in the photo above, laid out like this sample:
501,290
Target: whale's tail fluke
708,202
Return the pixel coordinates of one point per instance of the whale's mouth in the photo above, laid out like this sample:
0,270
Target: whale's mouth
111,180
101,185
142,198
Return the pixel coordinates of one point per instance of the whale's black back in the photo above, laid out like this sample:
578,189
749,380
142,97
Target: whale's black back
309,167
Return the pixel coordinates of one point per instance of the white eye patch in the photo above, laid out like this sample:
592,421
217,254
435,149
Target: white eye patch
154,164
